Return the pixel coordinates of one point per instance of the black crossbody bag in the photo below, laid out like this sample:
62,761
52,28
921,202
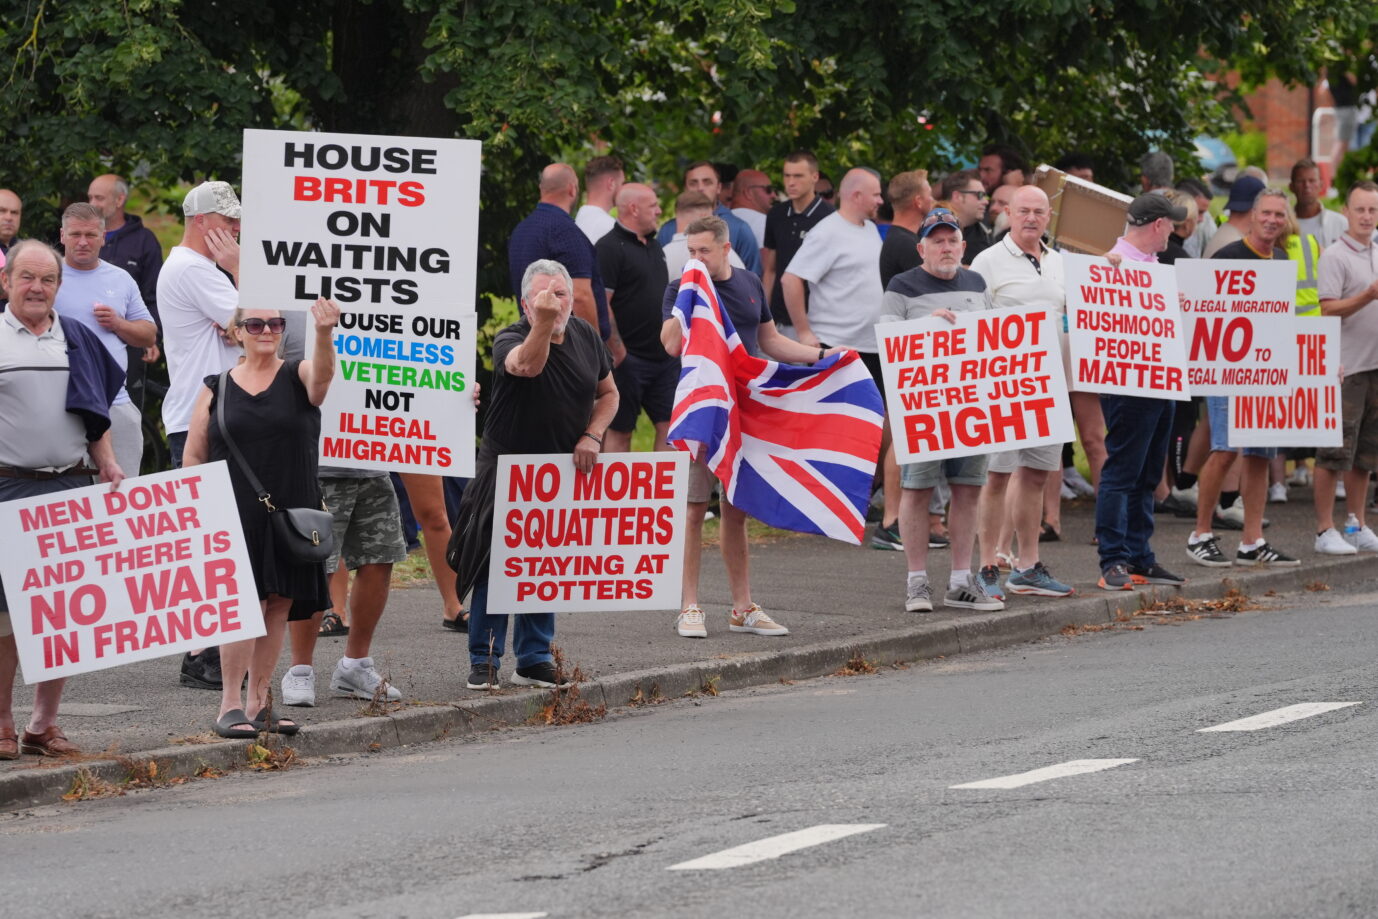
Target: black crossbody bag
306,534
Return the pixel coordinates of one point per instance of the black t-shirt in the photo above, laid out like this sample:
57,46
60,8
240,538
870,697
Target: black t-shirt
1241,249
785,232
1174,250
744,299
899,252
977,238
634,270
549,412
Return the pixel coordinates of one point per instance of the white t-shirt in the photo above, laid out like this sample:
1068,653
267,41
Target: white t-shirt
677,253
594,221
113,286
754,219
841,263
195,301
1327,226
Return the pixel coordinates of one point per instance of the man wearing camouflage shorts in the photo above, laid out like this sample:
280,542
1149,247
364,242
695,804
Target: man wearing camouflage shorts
368,539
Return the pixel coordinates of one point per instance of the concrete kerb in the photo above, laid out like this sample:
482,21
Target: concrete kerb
47,784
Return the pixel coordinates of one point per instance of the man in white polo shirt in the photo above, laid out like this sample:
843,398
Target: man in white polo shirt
1021,271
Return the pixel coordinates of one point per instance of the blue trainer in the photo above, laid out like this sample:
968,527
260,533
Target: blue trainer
1037,581
989,579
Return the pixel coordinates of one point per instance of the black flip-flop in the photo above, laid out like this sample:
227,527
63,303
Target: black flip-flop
458,624
274,727
225,725
332,625
1048,534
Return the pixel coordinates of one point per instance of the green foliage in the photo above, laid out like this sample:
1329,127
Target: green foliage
1358,164
1250,147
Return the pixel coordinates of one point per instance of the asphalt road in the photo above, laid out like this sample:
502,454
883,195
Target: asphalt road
853,775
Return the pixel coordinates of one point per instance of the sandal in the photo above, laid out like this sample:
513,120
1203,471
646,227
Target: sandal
458,624
225,725
1048,534
332,625
1006,561
280,726
9,746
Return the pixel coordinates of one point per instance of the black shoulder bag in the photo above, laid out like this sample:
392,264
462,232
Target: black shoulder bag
306,534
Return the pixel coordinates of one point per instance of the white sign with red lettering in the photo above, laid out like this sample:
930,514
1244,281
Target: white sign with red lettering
1307,412
568,542
1125,328
376,223
96,578
1239,316
992,381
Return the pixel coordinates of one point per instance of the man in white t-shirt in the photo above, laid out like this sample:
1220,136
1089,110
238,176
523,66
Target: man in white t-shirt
603,176
1313,218
840,262
197,300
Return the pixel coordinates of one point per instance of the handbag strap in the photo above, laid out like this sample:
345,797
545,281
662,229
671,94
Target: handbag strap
254,483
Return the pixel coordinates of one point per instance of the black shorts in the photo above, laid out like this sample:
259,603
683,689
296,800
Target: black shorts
644,384
872,361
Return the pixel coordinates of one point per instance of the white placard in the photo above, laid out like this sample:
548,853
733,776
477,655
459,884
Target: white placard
372,221
1125,328
992,381
567,542
96,578
402,397
1307,413
1240,316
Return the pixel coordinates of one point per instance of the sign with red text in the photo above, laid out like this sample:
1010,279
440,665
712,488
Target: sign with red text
1307,412
370,221
96,578
992,381
402,397
1125,328
1239,315
566,542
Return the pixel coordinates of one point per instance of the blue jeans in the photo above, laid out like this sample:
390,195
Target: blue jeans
530,640
176,443
1136,441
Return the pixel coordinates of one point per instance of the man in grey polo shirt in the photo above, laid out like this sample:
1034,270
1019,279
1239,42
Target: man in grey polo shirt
57,382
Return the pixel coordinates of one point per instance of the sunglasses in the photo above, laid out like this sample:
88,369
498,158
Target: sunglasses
256,326
980,194
827,195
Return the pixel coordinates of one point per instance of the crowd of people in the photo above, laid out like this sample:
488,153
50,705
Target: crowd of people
805,269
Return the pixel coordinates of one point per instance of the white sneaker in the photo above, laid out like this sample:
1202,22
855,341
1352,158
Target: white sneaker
299,686
362,682
690,623
1332,543
1277,493
1073,479
1300,477
1340,489
1234,513
1067,494
1362,541
1186,494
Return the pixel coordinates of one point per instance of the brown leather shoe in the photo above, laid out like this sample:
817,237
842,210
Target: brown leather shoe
9,746
51,742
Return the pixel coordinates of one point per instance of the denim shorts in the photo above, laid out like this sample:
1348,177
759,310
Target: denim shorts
1217,410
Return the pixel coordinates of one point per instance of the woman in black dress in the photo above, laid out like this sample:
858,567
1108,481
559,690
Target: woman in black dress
272,412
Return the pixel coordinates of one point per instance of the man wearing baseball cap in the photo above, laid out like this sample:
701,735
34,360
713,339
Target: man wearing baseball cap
1137,432
1241,204
197,297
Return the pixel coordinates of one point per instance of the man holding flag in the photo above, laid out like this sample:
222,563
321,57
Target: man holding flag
759,426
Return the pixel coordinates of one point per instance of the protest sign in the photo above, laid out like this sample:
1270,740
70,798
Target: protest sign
402,396
1307,412
567,542
372,222
1239,315
1125,328
96,578
992,381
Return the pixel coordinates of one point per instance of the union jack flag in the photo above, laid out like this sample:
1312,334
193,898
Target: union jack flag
795,447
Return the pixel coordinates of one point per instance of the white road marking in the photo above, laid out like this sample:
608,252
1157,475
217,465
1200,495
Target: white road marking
1072,767
775,846
505,916
1279,716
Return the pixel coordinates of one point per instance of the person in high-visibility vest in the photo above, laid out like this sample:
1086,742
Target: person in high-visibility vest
1305,250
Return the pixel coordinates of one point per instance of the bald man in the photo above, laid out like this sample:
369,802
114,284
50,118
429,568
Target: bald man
752,196
633,267
549,232
128,243
11,211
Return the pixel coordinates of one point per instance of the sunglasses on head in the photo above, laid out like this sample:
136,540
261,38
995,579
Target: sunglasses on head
948,220
256,326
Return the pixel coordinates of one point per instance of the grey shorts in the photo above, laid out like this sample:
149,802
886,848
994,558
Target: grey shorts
367,523
701,482
1047,457
1359,421
964,470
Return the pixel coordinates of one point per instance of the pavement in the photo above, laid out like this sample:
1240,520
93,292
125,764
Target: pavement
839,601
1217,767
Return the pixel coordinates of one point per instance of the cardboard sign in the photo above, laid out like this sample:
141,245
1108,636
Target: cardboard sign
1125,328
1307,413
990,382
372,222
1239,316
96,578
402,396
610,540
